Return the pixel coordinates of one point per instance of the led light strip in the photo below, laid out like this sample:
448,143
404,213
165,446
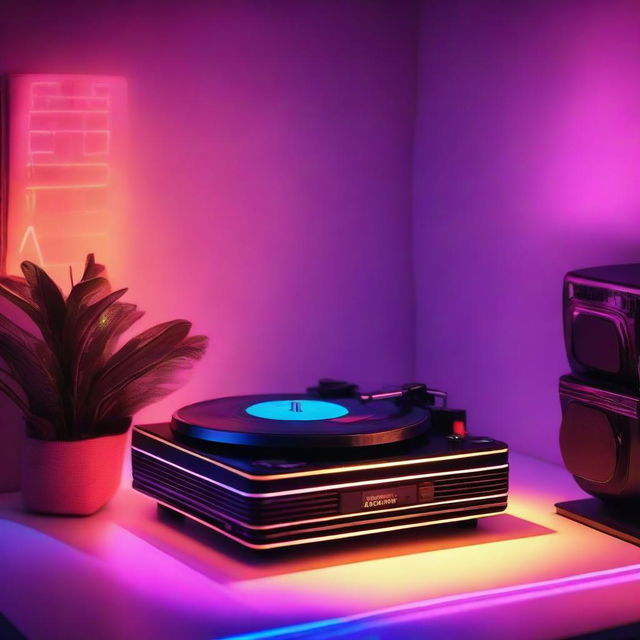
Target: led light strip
49,187
318,472
327,487
435,606
73,111
336,536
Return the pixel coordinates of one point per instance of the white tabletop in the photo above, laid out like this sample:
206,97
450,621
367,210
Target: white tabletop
123,573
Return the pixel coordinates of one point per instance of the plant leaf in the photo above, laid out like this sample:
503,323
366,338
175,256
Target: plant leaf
80,321
135,358
103,334
98,346
92,269
158,381
49,301
18,292
34,368
70,384
12,394
18,286
85,293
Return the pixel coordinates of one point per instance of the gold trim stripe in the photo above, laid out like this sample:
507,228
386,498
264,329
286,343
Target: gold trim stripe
327,487
349,534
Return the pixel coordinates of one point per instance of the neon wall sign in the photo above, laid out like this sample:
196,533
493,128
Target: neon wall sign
63,169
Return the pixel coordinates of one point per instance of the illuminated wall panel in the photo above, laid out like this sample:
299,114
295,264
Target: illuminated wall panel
65,164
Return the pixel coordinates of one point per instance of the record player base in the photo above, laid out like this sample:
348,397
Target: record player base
593,513
170,513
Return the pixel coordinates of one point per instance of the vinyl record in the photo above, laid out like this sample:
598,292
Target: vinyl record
299,421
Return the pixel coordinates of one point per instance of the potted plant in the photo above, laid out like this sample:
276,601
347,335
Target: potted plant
76,389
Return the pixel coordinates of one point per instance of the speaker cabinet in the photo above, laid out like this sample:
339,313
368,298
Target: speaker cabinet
601,312
600,439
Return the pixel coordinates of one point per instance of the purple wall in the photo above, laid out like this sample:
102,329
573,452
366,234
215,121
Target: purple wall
527,165
271,174
271,150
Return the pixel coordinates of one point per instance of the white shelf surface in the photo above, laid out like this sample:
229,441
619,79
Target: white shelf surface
123,573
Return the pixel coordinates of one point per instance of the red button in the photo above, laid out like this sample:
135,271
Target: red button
459,428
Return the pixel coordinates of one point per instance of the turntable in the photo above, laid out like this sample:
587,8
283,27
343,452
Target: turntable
280,470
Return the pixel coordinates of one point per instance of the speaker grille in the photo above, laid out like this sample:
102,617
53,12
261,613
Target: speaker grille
588,443
597,342
176,486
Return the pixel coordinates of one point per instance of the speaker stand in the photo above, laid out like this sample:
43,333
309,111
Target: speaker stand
594,513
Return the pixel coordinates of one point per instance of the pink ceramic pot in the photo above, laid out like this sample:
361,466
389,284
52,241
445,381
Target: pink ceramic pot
71,478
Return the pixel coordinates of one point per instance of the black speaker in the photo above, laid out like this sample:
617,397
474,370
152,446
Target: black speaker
601,310
600,439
